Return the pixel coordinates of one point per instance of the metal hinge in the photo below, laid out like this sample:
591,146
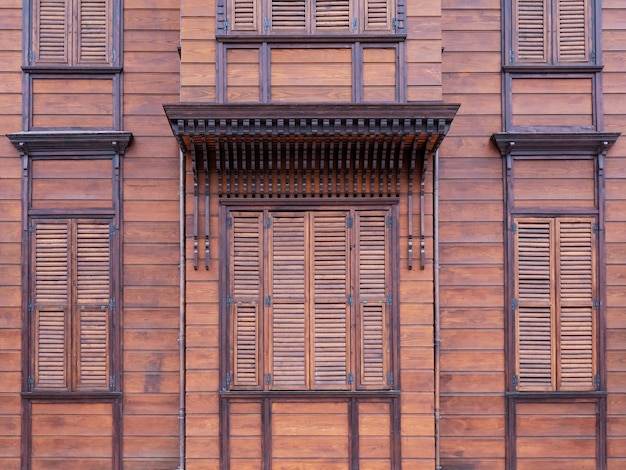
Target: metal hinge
267,223
31,382
389,221
229,379
226,25
268,379
268,300
350,300
513,227
514,304
511,57
592,55
112,55
31,57
596,381
266,24
349,221
31,306
31,229
390,378
112,305
112,382
596,228
229,300
229,222
395,24
515,381
596,304
350,378
355,23
111,229
389,299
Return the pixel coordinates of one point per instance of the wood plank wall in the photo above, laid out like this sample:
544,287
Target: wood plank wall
471,235
151,235
614,57
10,234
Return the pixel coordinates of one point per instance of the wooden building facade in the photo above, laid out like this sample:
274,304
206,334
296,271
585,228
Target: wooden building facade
312,234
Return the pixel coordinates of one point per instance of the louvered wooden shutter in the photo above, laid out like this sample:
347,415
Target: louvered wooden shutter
333,15
555,291
576,294
244,15
94,32
288,350
330,290
51,304
572,30
290,15
530,26
373,288
93,302
246,298
378,15
51,25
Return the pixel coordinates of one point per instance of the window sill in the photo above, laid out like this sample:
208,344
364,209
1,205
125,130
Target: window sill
552,69
309,38
68,70
309,394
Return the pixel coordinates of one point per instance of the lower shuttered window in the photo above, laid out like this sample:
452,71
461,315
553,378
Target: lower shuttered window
310,300
555,303
70,305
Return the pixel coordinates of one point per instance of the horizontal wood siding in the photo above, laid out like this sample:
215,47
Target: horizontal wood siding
71,436
150,235
614,72
245,435
243,75
311,75
552,102
471,242
85,103
379,74
10,234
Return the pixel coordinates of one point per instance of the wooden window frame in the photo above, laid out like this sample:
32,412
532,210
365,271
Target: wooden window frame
511,62
351,24
229,384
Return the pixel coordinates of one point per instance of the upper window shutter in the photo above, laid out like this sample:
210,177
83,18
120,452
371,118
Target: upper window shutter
51,297
530,27
287,313
93,303
333,15
51,32
373,290
534,293
290,15
94,32
330,290
244,15
246,298
572,30
378,15
576,265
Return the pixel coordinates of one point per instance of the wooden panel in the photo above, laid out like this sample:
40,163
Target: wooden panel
245,435
72,183
559,435
552,102
379,74
311,75
72,436
554,183
243,75
72,103
310,435
374,436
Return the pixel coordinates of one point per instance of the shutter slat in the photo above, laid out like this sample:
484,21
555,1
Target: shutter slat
288,301
572,42
93,255
378,15
51,263
51,348
94,33
530,25
93,370
246,346
289,15
51,36
244,15
332,15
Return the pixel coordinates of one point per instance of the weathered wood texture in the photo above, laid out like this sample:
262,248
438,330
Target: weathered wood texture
10,235
614,58
150,235
471,242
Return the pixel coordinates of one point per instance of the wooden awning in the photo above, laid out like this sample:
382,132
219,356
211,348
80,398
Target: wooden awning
310,151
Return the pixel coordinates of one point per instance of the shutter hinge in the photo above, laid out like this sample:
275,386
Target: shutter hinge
394,24
390,378
349,221
111,229
596,304
31,229
389,221
112,382
268,379
113,57
266,24
513,227
511,57
267,223
112,305
226,25
229,222
514,304
31,306
515,381
596,228
268,300
31,57
229,300
31,382
596,381
592,55
355,23
350,300
229,379
389,300
350,378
